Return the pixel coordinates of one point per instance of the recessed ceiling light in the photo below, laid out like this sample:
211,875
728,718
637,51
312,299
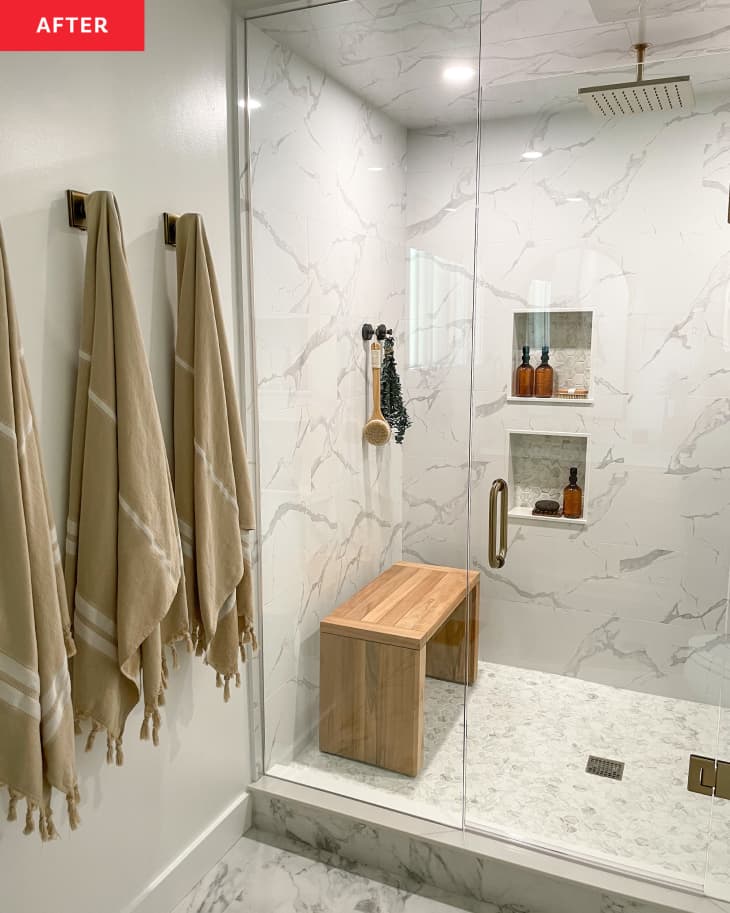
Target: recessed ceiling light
375,168
460,73
252,105
574,199
531,154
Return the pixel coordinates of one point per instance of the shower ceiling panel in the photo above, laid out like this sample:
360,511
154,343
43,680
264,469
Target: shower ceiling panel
535,54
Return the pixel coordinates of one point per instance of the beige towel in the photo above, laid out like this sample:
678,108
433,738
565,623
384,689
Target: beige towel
212,487
36,719
123,553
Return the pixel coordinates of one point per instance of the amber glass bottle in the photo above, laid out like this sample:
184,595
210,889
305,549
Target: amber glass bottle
544,376
573,497
525,380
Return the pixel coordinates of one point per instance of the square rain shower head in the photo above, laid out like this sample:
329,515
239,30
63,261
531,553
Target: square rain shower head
641,97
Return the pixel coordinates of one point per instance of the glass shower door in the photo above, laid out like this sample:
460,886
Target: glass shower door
603,244
360,132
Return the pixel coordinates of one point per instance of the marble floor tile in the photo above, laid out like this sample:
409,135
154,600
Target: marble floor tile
255,877
530,735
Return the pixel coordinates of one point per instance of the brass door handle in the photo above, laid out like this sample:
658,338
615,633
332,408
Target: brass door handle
497,558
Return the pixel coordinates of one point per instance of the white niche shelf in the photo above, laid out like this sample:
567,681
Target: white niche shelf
539,465
569,334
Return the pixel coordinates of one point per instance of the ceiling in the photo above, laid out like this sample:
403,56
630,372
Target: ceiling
535,53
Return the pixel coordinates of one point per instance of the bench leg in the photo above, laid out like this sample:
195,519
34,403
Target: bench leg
446,656
371,702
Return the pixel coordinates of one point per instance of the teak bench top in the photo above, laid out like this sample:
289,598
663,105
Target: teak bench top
404,606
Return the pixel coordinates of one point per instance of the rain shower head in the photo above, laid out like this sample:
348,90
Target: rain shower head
673,93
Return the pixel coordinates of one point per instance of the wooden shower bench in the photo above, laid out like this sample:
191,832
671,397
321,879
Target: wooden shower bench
376,650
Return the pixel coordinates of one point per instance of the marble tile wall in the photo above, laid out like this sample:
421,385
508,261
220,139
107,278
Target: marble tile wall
628,218
328,224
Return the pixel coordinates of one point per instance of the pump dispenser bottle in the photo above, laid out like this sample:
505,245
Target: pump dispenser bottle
573,497
525,375
544,376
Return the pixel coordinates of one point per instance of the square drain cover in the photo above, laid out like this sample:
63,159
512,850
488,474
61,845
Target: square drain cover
604,767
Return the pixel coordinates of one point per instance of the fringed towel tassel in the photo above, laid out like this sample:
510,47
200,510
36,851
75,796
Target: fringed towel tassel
52,832
12,813
198,641
189,643
161,699
120,752
151,713
238,679
175,661
227,688
43,826
29,821
247,637
218,680
68,643
77,726
164,670
156,723
95,727
73,811
109,749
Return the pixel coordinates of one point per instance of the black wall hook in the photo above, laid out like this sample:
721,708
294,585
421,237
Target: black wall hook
379,332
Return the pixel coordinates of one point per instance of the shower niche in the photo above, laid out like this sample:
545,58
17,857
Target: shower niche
568,334
539,463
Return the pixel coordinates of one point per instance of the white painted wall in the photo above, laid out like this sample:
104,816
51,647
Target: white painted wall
152,127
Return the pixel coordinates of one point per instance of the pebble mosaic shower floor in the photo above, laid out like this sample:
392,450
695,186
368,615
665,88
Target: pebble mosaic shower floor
529,738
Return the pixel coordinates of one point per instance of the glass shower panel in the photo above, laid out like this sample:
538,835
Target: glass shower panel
603,637
361,209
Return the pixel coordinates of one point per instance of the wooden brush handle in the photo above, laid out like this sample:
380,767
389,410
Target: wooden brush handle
376,355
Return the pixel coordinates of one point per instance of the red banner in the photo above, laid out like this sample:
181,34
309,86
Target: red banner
71,25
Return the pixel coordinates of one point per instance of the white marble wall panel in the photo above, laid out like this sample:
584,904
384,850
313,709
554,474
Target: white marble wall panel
328,234
628,218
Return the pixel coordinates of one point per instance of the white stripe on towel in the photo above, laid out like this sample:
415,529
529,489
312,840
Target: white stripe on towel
219,484
27,431
246,545
94,640
97,618
27,677
100,404
8,431
55,546
54,703
186,529
227,606
184,365
20,700
84,356
156,548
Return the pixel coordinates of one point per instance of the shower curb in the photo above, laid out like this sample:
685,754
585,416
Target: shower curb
415,855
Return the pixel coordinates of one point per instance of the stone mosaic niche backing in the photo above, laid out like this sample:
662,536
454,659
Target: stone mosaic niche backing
567,333
540,466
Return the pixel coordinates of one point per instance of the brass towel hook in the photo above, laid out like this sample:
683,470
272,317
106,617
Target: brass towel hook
76,202
169,228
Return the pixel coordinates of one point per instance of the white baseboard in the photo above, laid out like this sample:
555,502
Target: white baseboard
174,882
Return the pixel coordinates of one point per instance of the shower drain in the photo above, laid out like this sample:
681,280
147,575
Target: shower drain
604,767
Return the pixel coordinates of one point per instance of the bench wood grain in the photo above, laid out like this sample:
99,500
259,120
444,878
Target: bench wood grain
375,651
